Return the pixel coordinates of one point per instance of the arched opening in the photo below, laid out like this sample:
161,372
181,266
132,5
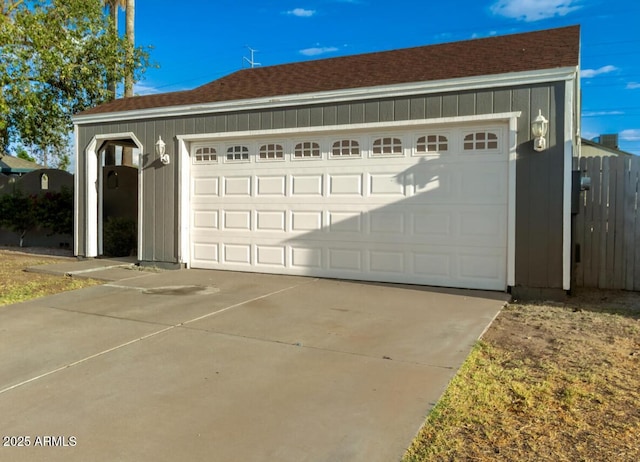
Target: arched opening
112,207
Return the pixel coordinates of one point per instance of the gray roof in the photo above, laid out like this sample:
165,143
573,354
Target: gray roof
547,49
10,164
602,147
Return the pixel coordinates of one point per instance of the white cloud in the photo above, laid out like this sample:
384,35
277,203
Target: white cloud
141,90
601,113
630,135
633,86
315,51
590,73
534,10
301,12
492,33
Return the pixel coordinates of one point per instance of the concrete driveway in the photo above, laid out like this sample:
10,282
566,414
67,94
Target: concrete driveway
219,366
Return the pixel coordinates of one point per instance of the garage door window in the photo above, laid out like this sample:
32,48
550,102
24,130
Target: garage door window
480,141
306,150
346,148
238,154
432,143
271,152
204,155
387,146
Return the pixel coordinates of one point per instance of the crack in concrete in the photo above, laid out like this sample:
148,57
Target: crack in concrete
144,337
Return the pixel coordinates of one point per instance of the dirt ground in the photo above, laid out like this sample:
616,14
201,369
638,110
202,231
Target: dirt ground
17,285
592,344
548,382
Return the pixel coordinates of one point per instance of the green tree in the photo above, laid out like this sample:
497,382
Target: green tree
21,153
58,57
18,212
54,211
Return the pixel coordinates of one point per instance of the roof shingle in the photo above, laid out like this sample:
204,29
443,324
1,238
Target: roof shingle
548,49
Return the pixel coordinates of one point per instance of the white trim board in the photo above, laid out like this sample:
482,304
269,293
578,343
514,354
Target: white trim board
93,192
569,122
336,96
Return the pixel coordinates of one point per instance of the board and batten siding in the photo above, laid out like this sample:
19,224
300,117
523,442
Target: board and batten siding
539,175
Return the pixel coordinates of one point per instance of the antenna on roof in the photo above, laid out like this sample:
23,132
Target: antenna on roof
251,61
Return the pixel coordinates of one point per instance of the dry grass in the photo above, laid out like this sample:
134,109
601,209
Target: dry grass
548,382
16,285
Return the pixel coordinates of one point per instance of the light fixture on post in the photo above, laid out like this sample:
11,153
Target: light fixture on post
539,129
160,151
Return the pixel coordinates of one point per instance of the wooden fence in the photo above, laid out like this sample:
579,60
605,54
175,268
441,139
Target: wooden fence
607,227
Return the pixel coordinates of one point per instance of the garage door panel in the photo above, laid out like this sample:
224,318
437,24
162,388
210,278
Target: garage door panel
236,253
271,220
436,266
384,184
307,185
304,258
204,253
474,266
436,182
273,256
485,183
205,219
205,186
387,262
433,220
237,220
431,224
345,185
343,259
345,222
387,221
306,220
237,186
271,186
485,226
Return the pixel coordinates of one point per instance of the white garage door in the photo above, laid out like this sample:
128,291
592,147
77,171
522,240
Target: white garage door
427,207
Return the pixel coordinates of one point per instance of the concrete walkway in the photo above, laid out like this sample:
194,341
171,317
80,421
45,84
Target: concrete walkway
220,366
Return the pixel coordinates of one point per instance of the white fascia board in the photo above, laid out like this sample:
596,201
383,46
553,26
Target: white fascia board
386,91
569,142
76,192
184,201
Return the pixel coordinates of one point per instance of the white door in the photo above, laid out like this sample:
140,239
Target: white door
421,207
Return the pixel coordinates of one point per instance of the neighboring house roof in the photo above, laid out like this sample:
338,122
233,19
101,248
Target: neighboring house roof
12,165
548,49
591,149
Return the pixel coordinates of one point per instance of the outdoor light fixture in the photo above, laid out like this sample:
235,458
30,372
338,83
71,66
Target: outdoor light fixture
539,129
160,151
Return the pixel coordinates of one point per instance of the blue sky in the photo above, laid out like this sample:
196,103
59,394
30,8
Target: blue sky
197,41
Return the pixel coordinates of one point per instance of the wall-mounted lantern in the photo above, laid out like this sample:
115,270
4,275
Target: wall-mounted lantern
539,129
160,151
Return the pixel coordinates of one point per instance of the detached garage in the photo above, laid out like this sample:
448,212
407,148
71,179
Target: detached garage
411,166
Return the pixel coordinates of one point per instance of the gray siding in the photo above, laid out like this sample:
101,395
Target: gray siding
539,176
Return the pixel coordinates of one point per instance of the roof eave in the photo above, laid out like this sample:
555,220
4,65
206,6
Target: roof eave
343,95
604,148
17,170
